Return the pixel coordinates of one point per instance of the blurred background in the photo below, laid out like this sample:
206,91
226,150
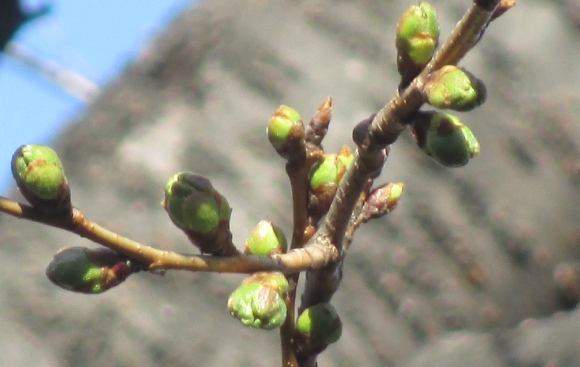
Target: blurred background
57,63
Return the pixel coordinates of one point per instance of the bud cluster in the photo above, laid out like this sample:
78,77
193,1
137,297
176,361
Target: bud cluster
259,302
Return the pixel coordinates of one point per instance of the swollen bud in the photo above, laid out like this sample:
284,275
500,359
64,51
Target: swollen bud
271,279
259,301
200,211
417,39
381,201
454,88
324,178
90,271
286,131
317,327
266,239
39,175
444,138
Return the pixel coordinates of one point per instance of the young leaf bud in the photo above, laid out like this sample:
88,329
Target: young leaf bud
258,306
271,279
444,138
39,175
317,327
454,88
381,201
90,271
417,39
200,211
286,131
266,239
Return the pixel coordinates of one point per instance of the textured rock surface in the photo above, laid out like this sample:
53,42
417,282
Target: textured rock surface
446,280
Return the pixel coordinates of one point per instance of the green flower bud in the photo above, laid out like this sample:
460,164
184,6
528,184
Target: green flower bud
258,306
445,139
317,327
417,39
200,211
90,271
381,201
454,88
266,239
285,130
324,172
271,279
39,175
325,175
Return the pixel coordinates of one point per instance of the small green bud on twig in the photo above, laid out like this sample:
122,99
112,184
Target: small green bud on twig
266,239
286,131
259,301
417,39
454,88
444,138
200,211
39,175
317,327
381,201
90,271
324,178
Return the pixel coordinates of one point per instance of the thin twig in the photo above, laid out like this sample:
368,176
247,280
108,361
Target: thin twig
297,260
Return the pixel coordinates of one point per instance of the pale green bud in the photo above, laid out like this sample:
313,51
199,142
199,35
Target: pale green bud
454,88
39,174
266,239
417,38
285,130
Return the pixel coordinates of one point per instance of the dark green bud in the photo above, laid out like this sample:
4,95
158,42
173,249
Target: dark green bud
258,306
444,138
286,131
266,239
454,88
199,210
417,39
90,271
39,175
317,327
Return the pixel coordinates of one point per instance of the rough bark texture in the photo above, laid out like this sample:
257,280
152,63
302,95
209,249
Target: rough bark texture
466,272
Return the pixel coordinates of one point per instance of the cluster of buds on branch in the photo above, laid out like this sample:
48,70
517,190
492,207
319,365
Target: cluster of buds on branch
332,194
